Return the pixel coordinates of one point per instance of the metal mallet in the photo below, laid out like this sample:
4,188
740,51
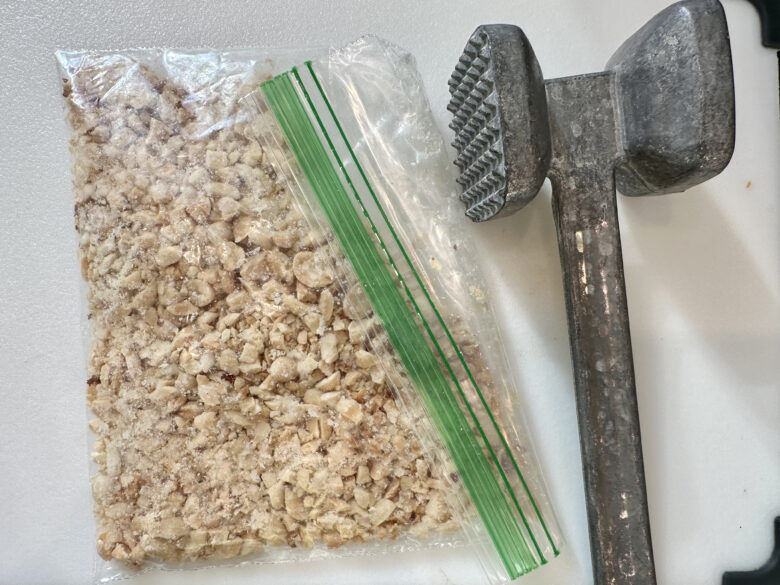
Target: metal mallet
659,119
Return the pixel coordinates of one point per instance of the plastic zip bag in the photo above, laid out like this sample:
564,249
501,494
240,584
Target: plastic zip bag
184,233
232,420
371,166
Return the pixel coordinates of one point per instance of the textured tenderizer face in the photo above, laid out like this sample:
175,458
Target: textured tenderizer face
499,108
477,127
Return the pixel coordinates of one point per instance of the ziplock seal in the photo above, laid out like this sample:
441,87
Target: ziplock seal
477,463
430,302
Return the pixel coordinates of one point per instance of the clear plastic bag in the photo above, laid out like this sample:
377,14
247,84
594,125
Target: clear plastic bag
250,402
361,136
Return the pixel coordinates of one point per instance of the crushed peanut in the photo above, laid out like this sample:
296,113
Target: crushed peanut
238,401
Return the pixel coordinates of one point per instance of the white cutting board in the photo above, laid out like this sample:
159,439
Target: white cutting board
702,271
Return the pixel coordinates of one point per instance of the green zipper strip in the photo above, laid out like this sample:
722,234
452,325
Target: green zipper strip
425,324
433,308
474,468
413,301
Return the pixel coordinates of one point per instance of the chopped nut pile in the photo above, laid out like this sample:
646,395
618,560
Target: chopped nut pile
238,401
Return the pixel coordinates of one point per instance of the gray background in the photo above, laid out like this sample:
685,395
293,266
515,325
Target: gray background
702,271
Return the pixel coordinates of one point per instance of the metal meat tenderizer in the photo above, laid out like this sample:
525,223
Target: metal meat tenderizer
659,119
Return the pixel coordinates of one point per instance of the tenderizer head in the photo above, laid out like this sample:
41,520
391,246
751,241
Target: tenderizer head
499,109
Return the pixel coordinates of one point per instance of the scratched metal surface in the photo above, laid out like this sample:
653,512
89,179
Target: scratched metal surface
585,150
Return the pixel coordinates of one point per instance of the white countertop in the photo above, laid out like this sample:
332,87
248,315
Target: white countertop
702,271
